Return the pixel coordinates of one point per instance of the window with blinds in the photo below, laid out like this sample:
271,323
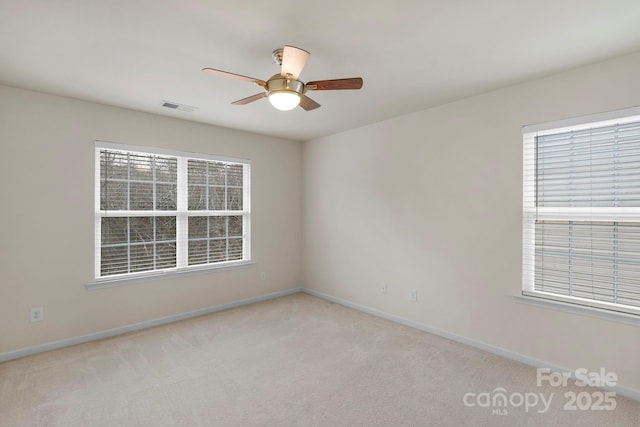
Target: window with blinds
216,193
159,210
581,228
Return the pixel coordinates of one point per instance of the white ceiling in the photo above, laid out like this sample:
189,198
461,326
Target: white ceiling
412,54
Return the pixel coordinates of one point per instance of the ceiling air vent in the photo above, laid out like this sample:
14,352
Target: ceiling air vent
176,106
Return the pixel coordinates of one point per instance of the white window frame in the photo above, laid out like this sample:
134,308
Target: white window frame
532,213
182,214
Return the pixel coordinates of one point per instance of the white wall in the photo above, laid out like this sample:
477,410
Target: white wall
46,220
433,201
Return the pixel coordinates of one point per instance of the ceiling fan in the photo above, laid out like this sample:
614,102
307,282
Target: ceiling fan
284,90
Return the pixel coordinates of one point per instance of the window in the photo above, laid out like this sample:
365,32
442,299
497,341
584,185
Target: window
581,228
159,211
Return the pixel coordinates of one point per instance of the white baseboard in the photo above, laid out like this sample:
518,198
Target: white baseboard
138,326
622,390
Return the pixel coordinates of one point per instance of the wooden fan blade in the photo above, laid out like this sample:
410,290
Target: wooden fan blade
338,84
308,104
249,99
293,60
233,76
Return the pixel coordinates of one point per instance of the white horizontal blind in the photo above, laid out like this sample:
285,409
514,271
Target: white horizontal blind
581,229
216,196
598,167
134,236
592,260
157,211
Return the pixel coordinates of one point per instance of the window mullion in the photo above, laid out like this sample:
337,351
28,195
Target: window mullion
154,202
128,181
226,218
207,190
226,236
129,245
181,215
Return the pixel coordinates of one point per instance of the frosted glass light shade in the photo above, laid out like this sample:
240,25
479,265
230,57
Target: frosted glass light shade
284,100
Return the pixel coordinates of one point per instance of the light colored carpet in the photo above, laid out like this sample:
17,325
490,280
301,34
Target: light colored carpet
293,361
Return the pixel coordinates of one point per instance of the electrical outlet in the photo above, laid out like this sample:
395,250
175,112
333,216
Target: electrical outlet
413,295
263,276
383,288
37,314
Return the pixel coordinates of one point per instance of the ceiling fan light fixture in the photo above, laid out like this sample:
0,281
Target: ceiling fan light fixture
284,93
284,100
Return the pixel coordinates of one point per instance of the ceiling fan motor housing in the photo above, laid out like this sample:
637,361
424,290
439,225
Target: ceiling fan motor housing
278,83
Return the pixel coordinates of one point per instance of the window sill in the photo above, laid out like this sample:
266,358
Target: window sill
166,274
613,316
